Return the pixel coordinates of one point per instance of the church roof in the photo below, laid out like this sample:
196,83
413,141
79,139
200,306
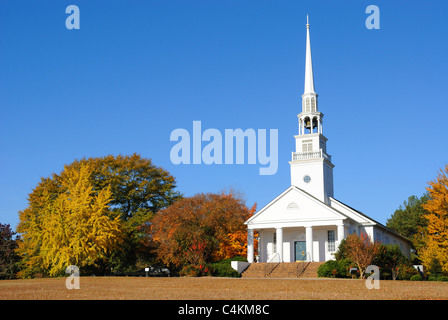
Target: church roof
304,193
376,222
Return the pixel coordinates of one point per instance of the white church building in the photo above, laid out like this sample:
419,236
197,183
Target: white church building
305,222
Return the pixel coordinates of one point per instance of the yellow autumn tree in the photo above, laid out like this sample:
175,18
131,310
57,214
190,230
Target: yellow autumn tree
31,227
139,190
76,227
436,233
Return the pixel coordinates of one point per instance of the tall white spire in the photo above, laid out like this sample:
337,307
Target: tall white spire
309,81
311,167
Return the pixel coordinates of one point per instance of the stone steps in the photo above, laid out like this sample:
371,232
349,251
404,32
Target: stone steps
282,270
311,270
255,270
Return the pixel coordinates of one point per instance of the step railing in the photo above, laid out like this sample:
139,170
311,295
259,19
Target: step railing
271,264
303,263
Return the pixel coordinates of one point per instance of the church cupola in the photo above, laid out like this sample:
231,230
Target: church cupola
311,167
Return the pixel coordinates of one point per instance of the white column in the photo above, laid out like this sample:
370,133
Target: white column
309,243
341,233
250,245
279,232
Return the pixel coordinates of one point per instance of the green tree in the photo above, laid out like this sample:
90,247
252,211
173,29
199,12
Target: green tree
408,220
138,186
390,257
8,257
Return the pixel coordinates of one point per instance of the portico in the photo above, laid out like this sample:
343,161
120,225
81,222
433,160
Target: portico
299,243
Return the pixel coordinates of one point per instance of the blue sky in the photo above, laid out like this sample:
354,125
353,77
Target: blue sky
137,70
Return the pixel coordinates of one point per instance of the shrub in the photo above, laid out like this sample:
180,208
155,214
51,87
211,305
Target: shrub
326,269
329,269
223,268
342,251
405,272
344,268
196,270
416,277
335,269
439,278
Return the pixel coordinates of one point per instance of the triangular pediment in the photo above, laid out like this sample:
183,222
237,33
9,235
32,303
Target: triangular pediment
295,205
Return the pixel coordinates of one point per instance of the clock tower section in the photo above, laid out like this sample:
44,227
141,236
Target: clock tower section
311,167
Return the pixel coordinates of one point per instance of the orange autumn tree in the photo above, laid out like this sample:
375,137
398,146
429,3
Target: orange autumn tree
436,233
201,229
361,250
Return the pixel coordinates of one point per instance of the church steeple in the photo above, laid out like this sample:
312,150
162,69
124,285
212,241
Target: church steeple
311,167
309,81
310,118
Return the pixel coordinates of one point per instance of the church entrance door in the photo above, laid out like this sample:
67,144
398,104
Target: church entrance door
300,250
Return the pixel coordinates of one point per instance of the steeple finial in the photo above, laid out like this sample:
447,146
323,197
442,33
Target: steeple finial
309,81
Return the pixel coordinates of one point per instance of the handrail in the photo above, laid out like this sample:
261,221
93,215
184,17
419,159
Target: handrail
303,263
271,265
310,155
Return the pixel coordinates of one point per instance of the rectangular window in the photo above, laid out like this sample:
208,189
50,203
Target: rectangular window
274,243
331,241
307,145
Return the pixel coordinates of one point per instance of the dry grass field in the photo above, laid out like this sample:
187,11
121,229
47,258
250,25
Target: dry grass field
106,288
